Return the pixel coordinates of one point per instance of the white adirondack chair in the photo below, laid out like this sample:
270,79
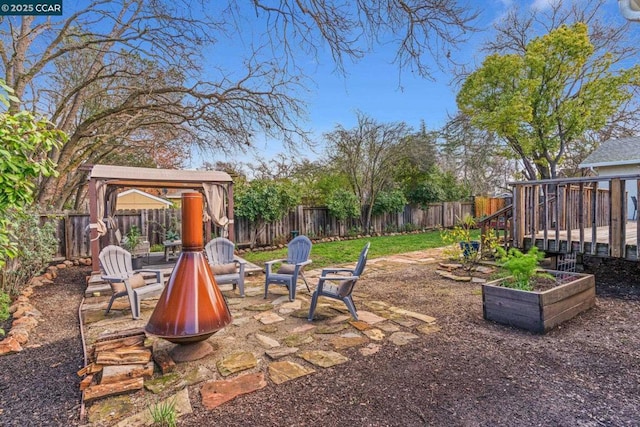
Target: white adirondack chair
226,267
125,281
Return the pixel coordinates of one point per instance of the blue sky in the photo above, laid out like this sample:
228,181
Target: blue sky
374,86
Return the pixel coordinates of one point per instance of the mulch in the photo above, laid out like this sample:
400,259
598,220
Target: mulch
472,372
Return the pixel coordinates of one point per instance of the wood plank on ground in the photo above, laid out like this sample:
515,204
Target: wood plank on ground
99,390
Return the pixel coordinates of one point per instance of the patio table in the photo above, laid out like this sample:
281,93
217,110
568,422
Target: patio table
172,249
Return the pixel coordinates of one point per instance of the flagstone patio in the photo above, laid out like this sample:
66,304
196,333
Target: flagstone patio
269,342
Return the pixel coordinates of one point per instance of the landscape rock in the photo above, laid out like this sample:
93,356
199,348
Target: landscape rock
236,362
215,393
284,371
9,345
324,359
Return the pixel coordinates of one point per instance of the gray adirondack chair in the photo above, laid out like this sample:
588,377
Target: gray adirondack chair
344,280
125,281
298,251
226,267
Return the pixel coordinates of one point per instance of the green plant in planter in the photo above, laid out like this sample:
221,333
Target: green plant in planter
171,235
521,267
132,238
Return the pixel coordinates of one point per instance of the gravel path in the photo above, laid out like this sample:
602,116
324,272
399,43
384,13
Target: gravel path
39,386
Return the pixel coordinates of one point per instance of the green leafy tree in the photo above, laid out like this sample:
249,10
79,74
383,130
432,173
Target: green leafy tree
263,202
428,191
392,201
25,142
367,155
547,98
343,204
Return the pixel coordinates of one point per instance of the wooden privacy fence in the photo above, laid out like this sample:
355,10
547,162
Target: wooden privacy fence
487,206
72,229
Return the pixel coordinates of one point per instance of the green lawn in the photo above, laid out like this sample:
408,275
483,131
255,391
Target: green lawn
345,251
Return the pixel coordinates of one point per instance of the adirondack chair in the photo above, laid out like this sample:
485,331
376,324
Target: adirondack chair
298,251
226,267
125,281
344,281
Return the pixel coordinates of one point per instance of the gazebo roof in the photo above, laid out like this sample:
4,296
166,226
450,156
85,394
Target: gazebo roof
127,176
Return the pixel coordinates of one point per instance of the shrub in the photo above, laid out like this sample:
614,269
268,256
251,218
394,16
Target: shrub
343,204
461,246
37,245
5,300
389,202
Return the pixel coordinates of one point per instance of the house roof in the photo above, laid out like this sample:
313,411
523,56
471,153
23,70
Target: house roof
145,194
625,151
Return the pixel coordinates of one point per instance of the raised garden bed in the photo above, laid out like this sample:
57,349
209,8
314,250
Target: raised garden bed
539,311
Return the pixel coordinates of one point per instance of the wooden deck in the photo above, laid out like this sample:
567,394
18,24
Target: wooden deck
586,215
602,247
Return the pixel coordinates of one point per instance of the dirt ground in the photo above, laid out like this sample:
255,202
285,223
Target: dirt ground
471,373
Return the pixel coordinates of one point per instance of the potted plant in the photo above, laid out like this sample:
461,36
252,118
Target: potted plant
132,242
171,235
534,299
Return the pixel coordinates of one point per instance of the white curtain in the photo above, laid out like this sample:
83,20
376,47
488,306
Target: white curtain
101,191
214,194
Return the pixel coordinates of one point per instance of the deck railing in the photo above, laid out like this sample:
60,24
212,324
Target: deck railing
567,215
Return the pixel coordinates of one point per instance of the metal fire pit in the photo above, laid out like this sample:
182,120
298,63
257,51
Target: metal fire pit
191,307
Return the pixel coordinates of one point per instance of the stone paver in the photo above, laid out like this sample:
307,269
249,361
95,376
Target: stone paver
236,362
330,329
215,393
284,371
402,338
348,340
267,318
388,327
419,316
370,318
267,342
374,334
297,340
324,359
303,328
280,352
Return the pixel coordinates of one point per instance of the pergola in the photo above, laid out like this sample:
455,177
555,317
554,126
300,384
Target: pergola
106,181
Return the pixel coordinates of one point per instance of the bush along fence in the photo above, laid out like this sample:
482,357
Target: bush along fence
72,229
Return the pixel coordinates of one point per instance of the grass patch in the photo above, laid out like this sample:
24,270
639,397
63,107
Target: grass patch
346,251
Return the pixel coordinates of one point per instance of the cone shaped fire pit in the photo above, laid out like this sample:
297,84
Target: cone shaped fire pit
191,307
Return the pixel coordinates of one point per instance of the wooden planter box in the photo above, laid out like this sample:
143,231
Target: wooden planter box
539,311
